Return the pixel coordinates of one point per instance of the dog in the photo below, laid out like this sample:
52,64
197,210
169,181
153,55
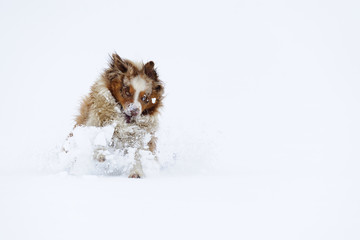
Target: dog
128,95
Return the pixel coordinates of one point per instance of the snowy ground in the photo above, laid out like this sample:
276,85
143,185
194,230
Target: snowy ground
242,207
259,136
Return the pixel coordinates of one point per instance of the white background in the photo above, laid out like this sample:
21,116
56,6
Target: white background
262,113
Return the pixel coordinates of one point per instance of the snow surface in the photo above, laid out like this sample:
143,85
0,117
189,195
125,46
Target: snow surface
258,139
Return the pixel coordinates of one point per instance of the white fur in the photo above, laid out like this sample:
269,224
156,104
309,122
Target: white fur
140,85
138,65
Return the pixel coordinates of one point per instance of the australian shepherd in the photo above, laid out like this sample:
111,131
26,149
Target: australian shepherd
128,95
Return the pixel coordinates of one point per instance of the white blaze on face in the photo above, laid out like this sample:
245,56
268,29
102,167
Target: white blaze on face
139,85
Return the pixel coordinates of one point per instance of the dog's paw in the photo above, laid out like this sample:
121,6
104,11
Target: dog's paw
136,171
101,158
100,154
134,175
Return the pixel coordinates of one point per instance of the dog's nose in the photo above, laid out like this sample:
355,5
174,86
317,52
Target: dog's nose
134,112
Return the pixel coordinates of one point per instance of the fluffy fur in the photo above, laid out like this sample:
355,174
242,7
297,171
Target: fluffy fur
129,95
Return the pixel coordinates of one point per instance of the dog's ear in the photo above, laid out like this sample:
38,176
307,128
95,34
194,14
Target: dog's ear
118,63
159,88
150,71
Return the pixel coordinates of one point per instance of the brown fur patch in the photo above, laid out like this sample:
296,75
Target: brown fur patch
152,144
84,111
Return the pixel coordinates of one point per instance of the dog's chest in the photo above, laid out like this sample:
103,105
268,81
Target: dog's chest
131,135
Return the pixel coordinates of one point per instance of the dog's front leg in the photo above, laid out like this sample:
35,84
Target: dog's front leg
100,153
137,170
152,144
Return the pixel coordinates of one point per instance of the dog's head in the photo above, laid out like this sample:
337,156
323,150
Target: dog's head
135,86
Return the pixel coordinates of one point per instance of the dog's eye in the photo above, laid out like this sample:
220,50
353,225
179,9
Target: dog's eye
145,99
127,93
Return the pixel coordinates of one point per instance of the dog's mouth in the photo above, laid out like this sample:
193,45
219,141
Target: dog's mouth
131,113
128,118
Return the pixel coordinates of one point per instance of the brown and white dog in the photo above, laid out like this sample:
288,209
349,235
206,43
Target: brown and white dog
129,96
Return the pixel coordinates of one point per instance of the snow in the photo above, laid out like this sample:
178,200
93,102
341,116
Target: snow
251,207
258,139
91,151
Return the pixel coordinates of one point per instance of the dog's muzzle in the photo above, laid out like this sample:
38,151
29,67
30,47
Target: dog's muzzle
132,110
